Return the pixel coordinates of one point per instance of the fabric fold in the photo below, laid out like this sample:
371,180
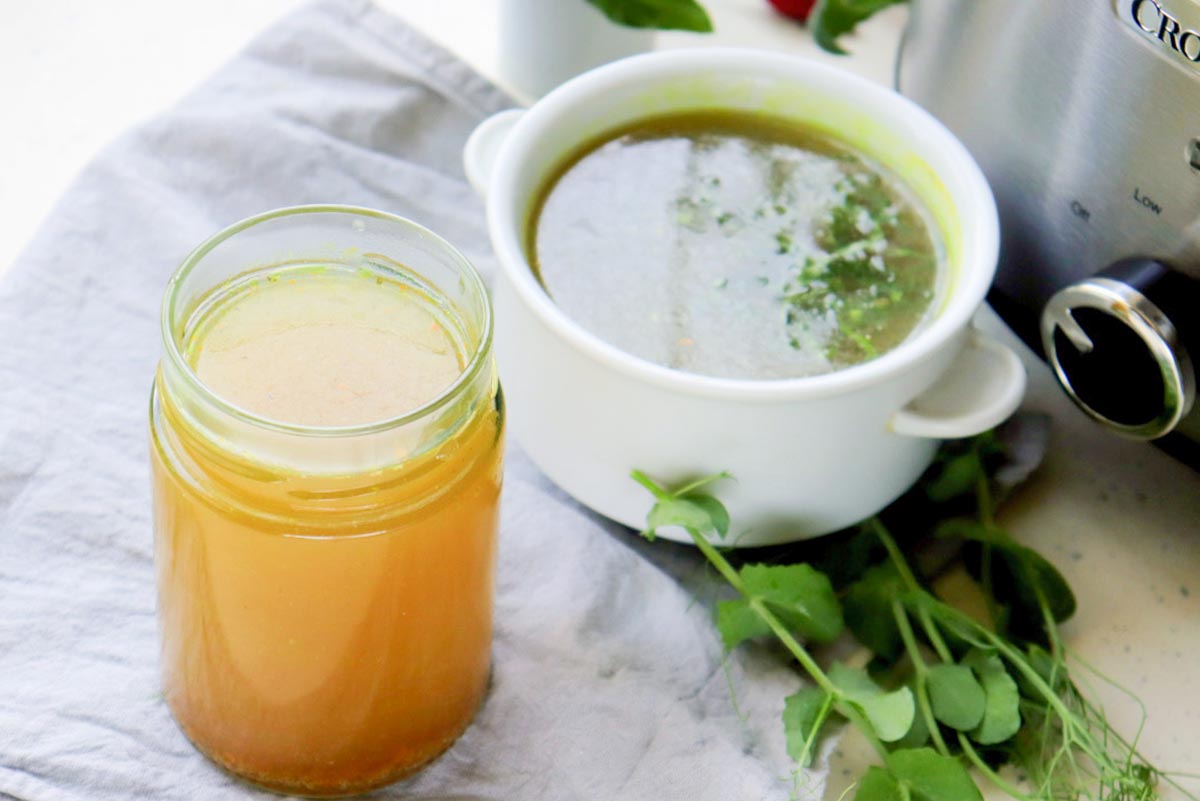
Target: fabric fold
608,678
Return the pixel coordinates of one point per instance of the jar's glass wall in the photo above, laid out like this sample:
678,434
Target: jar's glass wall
359,239
325,595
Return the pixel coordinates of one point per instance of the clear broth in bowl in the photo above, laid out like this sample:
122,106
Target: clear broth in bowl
735,245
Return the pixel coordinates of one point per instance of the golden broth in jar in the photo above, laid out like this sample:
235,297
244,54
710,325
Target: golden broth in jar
326,455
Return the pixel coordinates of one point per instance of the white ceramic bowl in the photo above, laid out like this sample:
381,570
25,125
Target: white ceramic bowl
809,455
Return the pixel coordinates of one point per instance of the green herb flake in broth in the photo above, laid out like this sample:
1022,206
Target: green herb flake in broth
864,251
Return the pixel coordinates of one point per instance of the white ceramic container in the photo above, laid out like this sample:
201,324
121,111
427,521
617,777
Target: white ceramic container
809,455
545,42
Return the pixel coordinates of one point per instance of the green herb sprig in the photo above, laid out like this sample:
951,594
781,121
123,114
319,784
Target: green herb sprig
945,692
861,276
829,20
681,15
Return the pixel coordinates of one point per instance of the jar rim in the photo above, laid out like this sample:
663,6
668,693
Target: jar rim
465,378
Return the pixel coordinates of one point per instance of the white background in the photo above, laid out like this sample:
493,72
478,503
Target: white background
74,73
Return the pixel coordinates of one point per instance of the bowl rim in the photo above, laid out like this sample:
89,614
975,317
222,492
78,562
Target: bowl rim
980,226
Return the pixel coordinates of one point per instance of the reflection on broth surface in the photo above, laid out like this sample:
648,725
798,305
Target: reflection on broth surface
735,245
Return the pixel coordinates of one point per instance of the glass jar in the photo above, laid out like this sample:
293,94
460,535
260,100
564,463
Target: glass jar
325,593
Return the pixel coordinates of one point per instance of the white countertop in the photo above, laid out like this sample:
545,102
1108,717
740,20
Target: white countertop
1119,518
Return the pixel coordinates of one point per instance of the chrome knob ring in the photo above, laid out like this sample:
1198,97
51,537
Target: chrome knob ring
1145,319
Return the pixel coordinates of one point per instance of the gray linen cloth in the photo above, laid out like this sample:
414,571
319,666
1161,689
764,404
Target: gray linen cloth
608,679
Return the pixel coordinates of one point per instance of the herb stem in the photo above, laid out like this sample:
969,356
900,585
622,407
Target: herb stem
1067,717
1064,744
985,570
718,561
943,651
658,492
925,599
935,636
797,650
894,552
987,516
994,777
818,722
922,672
983,496
1048,622
697,484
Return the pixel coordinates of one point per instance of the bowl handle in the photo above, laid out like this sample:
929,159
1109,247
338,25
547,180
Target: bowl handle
980,389
483,145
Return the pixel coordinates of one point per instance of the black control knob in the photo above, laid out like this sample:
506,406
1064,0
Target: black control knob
1119,344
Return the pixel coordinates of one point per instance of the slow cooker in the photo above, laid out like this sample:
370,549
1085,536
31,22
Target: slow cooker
1085,117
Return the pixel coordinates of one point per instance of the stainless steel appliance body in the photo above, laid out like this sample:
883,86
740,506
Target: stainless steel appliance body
1085,116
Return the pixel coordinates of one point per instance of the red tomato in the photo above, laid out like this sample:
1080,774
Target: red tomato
796,9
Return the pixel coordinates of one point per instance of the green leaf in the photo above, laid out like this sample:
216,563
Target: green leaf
846,557
958,698
1051,671
868,610
889,713
1029,570
679,15
966,528
1019,574
695,511
878,785
804,713
929,776
832,18
1002,714
737,622
958,476
917,736
800,596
